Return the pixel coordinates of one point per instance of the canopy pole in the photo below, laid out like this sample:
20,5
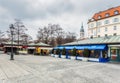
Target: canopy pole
101,54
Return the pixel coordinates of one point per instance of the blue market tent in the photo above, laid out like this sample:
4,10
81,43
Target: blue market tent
82,47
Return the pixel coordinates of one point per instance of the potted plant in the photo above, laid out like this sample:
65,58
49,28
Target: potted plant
74,53
52,52
63,53
58,52
69,54
86,54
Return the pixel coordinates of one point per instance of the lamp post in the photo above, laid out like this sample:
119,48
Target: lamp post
12,30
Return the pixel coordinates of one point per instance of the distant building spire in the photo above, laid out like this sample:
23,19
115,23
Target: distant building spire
82,31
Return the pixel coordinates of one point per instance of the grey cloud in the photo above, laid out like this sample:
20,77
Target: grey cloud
72,10
23,9
60,7
89,7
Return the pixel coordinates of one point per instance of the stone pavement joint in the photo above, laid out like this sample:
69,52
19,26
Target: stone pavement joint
46,69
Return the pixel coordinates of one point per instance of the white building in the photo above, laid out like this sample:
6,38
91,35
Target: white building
105,23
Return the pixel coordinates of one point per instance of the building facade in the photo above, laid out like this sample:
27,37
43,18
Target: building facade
105,23
103,44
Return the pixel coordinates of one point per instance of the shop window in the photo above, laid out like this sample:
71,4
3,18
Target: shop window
104,54
113,54
94,54
80,53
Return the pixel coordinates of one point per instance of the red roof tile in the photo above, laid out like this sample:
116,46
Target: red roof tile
102,14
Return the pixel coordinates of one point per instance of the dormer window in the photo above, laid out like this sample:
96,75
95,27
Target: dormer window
99,17
92,19
106,15
116,12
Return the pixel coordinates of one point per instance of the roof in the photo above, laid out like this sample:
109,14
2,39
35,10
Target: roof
10,42
42,44
39,44
108,11
100,40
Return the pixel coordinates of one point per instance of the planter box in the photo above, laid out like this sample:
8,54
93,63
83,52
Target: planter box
103,59
73,57
85,59
93,59
79,58
69,57
56,56
52,55
63,56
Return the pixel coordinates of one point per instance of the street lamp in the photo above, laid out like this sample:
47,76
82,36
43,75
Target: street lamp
12,30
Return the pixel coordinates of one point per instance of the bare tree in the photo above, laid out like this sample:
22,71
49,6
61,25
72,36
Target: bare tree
45,34
25,39
19,30
40,35
1,36
70,37
54,35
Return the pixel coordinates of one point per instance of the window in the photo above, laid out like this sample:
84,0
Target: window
99,17
116,12
98,35
99,23
92,31
115,28
98,29
106,22
114,34
92,25
106,15
91,37
115,20
105,29
106,35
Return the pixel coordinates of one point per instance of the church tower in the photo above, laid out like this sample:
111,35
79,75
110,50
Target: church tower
82,32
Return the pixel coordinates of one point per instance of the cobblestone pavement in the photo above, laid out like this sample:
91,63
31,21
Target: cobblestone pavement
47,69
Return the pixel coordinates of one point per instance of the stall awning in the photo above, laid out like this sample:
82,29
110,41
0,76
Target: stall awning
90,47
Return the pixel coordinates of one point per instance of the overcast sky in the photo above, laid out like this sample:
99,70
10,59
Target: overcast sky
35,13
